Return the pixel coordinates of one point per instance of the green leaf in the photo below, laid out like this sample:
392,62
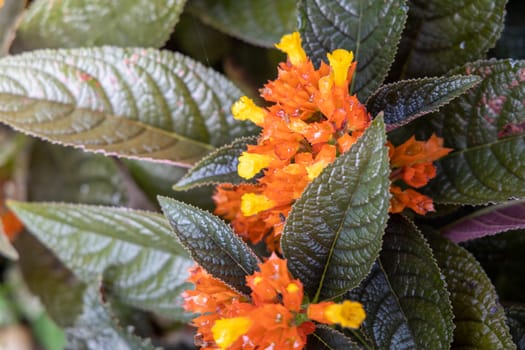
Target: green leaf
259,22
97,329
407,100
211,243
326,338
10,13
77,23
220,166
370,28
405,298
442,34
516,323
479,318
333,250
135,103
6,248
117,243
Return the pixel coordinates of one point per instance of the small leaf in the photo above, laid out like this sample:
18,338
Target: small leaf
333,250
136,103
10,14
407,100
487,222
405,298
371,29
96,240
97,329
516,323
211,243
220,166
441,35
479,318
259,22
326,338
57,24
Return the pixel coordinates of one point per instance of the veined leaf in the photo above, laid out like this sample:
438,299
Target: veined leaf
370,28
134,103
441,35
326,338
407,100
487,222
333,250
81,23
405,298
259,22
478,316
218,167
516,323
147,266
211,243
10,13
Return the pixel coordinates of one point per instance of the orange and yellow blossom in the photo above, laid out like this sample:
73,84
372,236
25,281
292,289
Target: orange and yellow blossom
274,316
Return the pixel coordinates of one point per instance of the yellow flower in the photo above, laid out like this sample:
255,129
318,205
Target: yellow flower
315,169
349,314
227,331
251,163
252,203
291,45
340,60
246,109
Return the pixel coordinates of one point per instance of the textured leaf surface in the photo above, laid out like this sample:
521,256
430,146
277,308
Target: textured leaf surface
211,243
516,322
136,251
442,34
370,28
407,100
135,103
404,296
333,250
76,23
326,338
97,329
9,16
259,22
218,167
478,316
487,222
6,248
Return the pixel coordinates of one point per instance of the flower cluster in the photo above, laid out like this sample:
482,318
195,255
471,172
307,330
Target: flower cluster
411,164
274,317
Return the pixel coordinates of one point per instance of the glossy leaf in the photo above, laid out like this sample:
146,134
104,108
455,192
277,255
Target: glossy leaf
404,296
333,250
516,322
211,243
370,28
81,23
135,103
10,14
478,316
117,243
407,100
259,22
326,338
441,35
218,167
487,222
98,329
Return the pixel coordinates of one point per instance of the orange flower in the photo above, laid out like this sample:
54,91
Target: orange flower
349,314
11,224
409,198
412,151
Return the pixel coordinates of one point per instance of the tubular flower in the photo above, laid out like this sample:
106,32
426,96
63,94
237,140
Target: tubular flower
411,164
273,318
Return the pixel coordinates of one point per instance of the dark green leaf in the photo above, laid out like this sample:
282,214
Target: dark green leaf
326,338
516,323
117,242
407,100
259,22
97,329
479,318
443,34
10,13
333,250
81,23
136,103
220,166
370,28
405,298
211,243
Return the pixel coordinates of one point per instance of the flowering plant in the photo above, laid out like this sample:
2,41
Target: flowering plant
357,194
